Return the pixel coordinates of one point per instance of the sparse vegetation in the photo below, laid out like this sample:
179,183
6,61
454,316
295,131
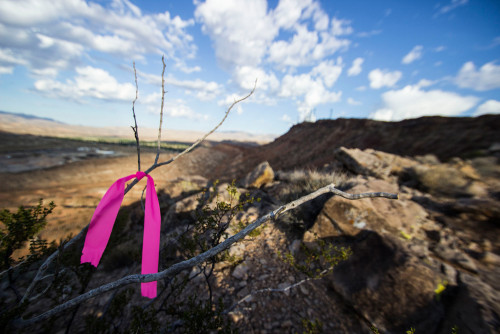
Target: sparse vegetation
318,259
312,327
170,146
20,227
301,182
186,300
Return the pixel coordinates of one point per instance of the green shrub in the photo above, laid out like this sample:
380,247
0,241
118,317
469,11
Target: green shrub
20,227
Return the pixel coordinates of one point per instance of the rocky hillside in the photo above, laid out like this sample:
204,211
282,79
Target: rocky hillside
311,145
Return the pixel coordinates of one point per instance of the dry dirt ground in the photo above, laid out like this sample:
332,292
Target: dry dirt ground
75,175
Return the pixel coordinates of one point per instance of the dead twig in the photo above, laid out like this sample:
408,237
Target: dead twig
45,266
161,109
135,128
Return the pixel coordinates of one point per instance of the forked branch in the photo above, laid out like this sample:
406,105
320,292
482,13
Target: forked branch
45,266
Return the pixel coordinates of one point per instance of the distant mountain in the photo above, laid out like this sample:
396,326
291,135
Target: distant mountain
31,117
33,125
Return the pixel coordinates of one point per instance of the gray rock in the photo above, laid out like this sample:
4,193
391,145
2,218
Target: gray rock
450,180
455,256
241,271
341,216
389,286
370,162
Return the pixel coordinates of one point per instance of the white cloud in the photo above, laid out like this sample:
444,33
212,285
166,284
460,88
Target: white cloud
414,54
253,41
353,102
451,6
412,102
203,90
58,34
8,57
494,43
90,82
186,69
488,107
245,76
242,30
297,52
286,118
289,12
309,91
424,83
341,27
383,78
172,108
178,108
355,69
329,71
305,47
487,78
6,69
245,32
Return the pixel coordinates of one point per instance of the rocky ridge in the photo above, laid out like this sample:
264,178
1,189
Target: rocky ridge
429,260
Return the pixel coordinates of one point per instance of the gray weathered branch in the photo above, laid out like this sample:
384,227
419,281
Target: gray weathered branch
135,128
43,268
161,109
284,289
188,264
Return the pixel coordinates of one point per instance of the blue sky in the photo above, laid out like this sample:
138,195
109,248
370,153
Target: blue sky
71,60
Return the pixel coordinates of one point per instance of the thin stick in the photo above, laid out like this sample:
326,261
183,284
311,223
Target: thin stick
136,129
187,264
210,132
45,266
161,109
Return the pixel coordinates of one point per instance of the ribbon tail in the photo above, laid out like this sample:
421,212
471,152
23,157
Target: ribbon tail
102,222
151,239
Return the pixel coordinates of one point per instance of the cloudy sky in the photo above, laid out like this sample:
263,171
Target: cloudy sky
71,60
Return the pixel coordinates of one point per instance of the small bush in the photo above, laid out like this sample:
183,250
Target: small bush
20,227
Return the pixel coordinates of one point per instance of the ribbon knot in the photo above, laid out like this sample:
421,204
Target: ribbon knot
102,223
139,175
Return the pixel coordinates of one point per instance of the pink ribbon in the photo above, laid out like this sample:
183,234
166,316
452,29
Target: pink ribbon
102,223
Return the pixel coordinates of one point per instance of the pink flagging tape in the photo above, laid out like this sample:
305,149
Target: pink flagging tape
102,223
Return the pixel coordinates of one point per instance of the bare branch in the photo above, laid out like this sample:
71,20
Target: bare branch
284,289
43,268
210,132
15,266
188,264
161,109
136,129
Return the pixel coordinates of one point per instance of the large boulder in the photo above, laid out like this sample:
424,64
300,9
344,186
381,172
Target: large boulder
457,179
388,286
370,162
341,216
261,175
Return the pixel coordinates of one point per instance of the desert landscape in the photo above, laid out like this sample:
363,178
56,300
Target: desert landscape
428,261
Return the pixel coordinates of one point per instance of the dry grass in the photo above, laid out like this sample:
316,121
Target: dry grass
301,182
